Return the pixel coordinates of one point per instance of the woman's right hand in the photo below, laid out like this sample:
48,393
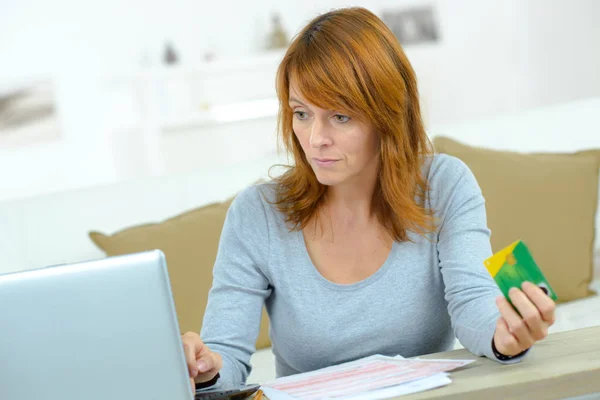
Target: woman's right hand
203,364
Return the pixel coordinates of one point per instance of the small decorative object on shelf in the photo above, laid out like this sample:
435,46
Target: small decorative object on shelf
208,56
277,37
170,56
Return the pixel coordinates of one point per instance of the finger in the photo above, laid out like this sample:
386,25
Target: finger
505,341
208,365
190,348
190,359
543,302
515,324
193,385
206,359
538,329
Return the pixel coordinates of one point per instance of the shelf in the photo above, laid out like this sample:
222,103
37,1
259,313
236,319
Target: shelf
223,114
218,66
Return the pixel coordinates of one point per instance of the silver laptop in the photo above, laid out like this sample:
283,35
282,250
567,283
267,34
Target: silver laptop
103,330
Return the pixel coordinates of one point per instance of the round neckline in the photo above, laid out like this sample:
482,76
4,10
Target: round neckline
344,286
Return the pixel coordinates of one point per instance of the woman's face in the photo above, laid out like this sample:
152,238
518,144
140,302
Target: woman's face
340,149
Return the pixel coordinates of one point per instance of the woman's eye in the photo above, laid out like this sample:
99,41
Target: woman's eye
341,118
300,114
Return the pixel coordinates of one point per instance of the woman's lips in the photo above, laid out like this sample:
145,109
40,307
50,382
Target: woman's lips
325,162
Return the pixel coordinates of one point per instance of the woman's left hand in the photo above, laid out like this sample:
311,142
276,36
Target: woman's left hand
516,333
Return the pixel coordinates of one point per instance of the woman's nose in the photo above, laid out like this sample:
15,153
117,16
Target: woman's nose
318,134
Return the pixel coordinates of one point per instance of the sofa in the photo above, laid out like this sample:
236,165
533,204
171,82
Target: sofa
133,215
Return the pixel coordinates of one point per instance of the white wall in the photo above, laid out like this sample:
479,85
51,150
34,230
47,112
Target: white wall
561,61
40,37
495,57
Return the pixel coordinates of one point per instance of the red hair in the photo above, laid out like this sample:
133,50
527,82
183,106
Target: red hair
348,60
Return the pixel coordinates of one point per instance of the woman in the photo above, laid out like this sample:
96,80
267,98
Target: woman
369,243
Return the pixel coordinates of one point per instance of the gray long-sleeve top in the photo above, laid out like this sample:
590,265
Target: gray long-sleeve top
426,293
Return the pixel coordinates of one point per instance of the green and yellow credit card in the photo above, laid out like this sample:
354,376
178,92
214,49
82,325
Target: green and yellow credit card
512,266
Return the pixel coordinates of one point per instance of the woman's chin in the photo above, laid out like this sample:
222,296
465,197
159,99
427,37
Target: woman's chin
327,179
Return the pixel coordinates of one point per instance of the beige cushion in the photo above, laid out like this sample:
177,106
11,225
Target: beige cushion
547,200
190,243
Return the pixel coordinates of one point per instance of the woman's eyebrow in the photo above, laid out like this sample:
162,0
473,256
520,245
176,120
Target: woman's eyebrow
297,101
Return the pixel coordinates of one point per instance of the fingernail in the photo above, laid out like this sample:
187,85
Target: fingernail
202,366
194,372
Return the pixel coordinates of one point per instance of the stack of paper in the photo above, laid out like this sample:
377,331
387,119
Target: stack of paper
370,378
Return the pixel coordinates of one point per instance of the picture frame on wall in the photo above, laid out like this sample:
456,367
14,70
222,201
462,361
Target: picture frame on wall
412,25
28,113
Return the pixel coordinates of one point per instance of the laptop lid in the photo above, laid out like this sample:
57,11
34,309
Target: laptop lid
104,329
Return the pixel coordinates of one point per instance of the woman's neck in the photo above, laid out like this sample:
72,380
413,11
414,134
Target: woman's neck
353,200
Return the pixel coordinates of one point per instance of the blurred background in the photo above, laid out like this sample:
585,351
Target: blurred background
121,120
93,93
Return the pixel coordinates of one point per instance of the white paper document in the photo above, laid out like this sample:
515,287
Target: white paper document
370,378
